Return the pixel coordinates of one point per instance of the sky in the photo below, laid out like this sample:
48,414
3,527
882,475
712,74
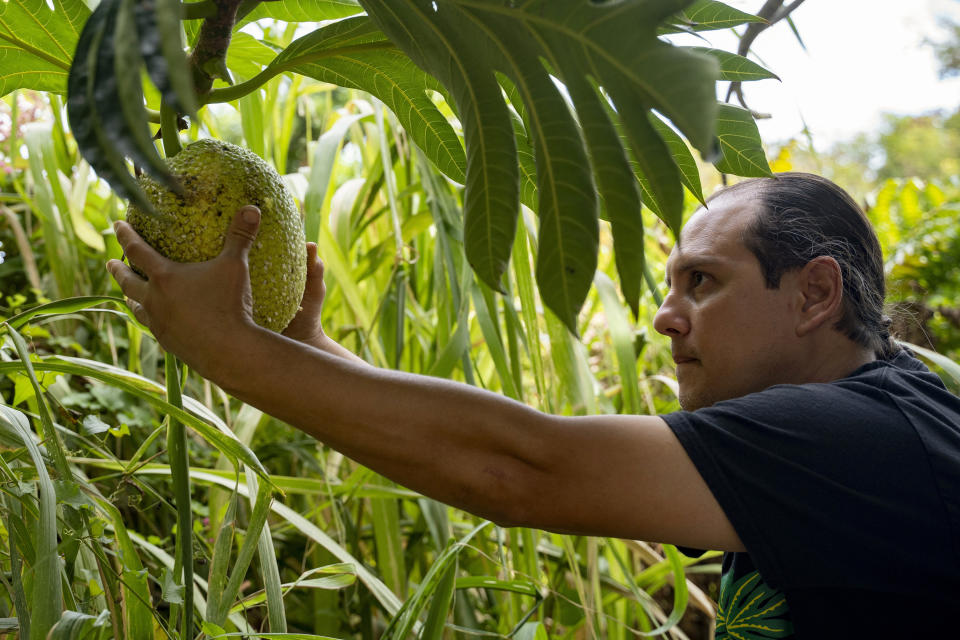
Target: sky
862,58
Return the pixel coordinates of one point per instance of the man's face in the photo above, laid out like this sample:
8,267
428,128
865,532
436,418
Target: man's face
730,334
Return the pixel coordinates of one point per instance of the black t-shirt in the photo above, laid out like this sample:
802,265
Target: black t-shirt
846,496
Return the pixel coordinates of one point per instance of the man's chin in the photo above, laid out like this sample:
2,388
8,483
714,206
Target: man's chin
691,400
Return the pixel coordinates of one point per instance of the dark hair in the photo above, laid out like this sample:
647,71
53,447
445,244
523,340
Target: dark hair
803,216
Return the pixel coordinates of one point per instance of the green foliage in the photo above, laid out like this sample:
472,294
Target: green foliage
339,553
180,511
948,51
39,41
555,150
925,147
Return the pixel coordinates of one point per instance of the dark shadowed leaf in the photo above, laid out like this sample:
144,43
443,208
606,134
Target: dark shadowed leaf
158,29
99,148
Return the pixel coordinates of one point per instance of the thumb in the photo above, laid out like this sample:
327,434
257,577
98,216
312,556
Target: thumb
242,232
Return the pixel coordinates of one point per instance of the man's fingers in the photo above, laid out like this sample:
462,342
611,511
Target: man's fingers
314,264
136,249
242,232
132,285
138,312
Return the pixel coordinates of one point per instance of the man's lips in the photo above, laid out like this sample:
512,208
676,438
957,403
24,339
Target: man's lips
683,360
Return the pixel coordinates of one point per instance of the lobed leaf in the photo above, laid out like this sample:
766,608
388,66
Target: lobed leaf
354,53
613,44
37,40
89,96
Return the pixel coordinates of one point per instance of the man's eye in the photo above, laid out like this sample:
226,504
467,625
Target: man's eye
697,278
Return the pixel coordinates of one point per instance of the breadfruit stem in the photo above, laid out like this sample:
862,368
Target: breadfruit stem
169,131
208,59
237,91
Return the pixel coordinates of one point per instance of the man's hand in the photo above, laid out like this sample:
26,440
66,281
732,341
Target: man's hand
305,326
195,310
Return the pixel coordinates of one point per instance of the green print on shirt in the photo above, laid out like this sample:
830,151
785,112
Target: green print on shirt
751,610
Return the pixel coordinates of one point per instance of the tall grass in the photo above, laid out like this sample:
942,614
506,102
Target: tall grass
140,501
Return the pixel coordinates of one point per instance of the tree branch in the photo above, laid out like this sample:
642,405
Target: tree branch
772,12
209,57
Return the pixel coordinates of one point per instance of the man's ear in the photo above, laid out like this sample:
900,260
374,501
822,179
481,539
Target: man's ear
820,286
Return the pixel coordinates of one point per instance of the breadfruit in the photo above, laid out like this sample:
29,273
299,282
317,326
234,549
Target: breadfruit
217,179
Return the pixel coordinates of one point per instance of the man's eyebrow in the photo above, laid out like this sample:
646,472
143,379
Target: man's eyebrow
690,263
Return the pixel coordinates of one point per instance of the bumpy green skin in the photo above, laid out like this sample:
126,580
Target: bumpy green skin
218,179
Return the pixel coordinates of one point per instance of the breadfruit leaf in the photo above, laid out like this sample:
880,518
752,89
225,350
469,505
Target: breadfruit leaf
37,43
85,95
354,53
689,172
158,28
105,100
709,15
740,142
302,10
736,68
464,43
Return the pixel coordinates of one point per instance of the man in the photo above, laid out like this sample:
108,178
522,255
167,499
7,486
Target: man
824,460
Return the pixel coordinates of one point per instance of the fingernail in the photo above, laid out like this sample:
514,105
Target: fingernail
251,215
116,224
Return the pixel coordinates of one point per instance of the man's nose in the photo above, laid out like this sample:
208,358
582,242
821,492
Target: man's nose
671,320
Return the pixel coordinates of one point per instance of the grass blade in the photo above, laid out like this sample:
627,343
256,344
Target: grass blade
179,466
440,605
268,561
46,595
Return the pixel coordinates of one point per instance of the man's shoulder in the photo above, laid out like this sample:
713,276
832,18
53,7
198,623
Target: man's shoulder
877,385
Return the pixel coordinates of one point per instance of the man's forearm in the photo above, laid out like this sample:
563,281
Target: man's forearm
457,443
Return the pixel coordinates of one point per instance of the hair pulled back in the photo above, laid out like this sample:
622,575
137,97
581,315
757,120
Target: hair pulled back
803,216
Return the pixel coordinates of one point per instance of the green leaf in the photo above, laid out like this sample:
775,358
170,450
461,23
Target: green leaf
66,305
710,15
37,43
354,53
74,625
247,56
737,68
526,587
657,173
950,367
440,605
740,143
219,436
88,94
621,333
138,612
166,64
616,45
119,80
46,595
302,10
171,592
689,171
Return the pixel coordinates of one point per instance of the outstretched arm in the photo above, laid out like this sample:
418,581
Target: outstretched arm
624,476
